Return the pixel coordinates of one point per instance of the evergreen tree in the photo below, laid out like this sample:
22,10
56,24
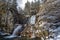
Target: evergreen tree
27,8
35,6
14,4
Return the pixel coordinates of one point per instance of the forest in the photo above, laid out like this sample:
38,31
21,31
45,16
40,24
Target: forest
38,20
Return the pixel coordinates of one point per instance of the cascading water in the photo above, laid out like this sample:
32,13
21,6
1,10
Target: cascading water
18,29
32,19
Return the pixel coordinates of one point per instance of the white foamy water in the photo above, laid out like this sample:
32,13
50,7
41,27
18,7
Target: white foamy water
17,29
14,32
32,19
56,34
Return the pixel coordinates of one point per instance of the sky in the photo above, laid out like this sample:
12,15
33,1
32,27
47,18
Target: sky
21,3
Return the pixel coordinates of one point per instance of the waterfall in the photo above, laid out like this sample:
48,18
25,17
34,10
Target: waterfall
32,19
18,29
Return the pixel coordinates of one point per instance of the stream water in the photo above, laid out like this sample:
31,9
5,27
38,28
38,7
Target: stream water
16,30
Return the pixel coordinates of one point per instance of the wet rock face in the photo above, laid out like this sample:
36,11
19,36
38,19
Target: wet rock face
49,12
7,22
6,18
47,21
48,17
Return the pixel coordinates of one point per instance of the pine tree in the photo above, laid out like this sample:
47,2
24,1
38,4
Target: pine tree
27,8
35,6
14,4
